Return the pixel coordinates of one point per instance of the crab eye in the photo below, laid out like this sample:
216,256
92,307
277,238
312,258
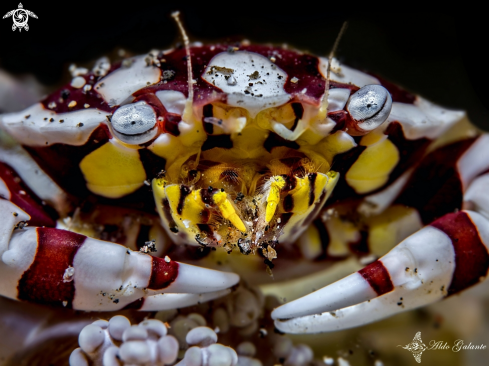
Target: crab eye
369,107
134,123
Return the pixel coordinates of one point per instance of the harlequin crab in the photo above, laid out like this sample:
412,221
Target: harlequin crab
255,150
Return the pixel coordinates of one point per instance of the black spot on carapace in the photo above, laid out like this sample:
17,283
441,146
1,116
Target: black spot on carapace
274,140
290,183
299,112
143,236
206,229
323,236
207,111
152,163
312,187
222,141
284,218
206,195
184,192
288,203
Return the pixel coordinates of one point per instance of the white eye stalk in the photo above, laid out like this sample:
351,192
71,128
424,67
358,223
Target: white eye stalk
369,107
134,123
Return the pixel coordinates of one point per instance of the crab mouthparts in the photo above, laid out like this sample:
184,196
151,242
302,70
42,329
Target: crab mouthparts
241,213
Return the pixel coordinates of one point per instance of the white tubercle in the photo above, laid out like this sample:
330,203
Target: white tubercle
123,82
344,74
208,352
233,72
45,127
138,346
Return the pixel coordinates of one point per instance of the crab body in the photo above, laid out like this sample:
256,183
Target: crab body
258,150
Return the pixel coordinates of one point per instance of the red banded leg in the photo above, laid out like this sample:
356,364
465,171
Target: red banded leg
62,268
443,258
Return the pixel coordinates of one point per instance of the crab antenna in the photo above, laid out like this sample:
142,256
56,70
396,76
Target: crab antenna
330,60
176,16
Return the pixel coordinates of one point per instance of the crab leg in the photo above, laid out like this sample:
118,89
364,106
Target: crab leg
63,268
443,258
413,274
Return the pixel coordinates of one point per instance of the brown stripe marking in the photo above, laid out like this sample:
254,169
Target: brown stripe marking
377,277
435,188
43,281
163,273
312,188
184,192
471,257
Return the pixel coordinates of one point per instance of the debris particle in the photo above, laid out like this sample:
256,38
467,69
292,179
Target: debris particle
72,104
79,125
51,105
86,105
69,273
168,75
294,80
167,259
65,93
254,76
149,247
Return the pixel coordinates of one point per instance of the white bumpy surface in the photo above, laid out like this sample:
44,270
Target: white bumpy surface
116,343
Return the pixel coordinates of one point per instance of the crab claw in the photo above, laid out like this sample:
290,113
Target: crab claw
439,260
62,268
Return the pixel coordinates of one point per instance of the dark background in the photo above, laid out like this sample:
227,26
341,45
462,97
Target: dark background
438,55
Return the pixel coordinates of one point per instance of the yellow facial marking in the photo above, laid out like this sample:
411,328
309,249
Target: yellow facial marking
113,170
228,211
374,165
276,185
